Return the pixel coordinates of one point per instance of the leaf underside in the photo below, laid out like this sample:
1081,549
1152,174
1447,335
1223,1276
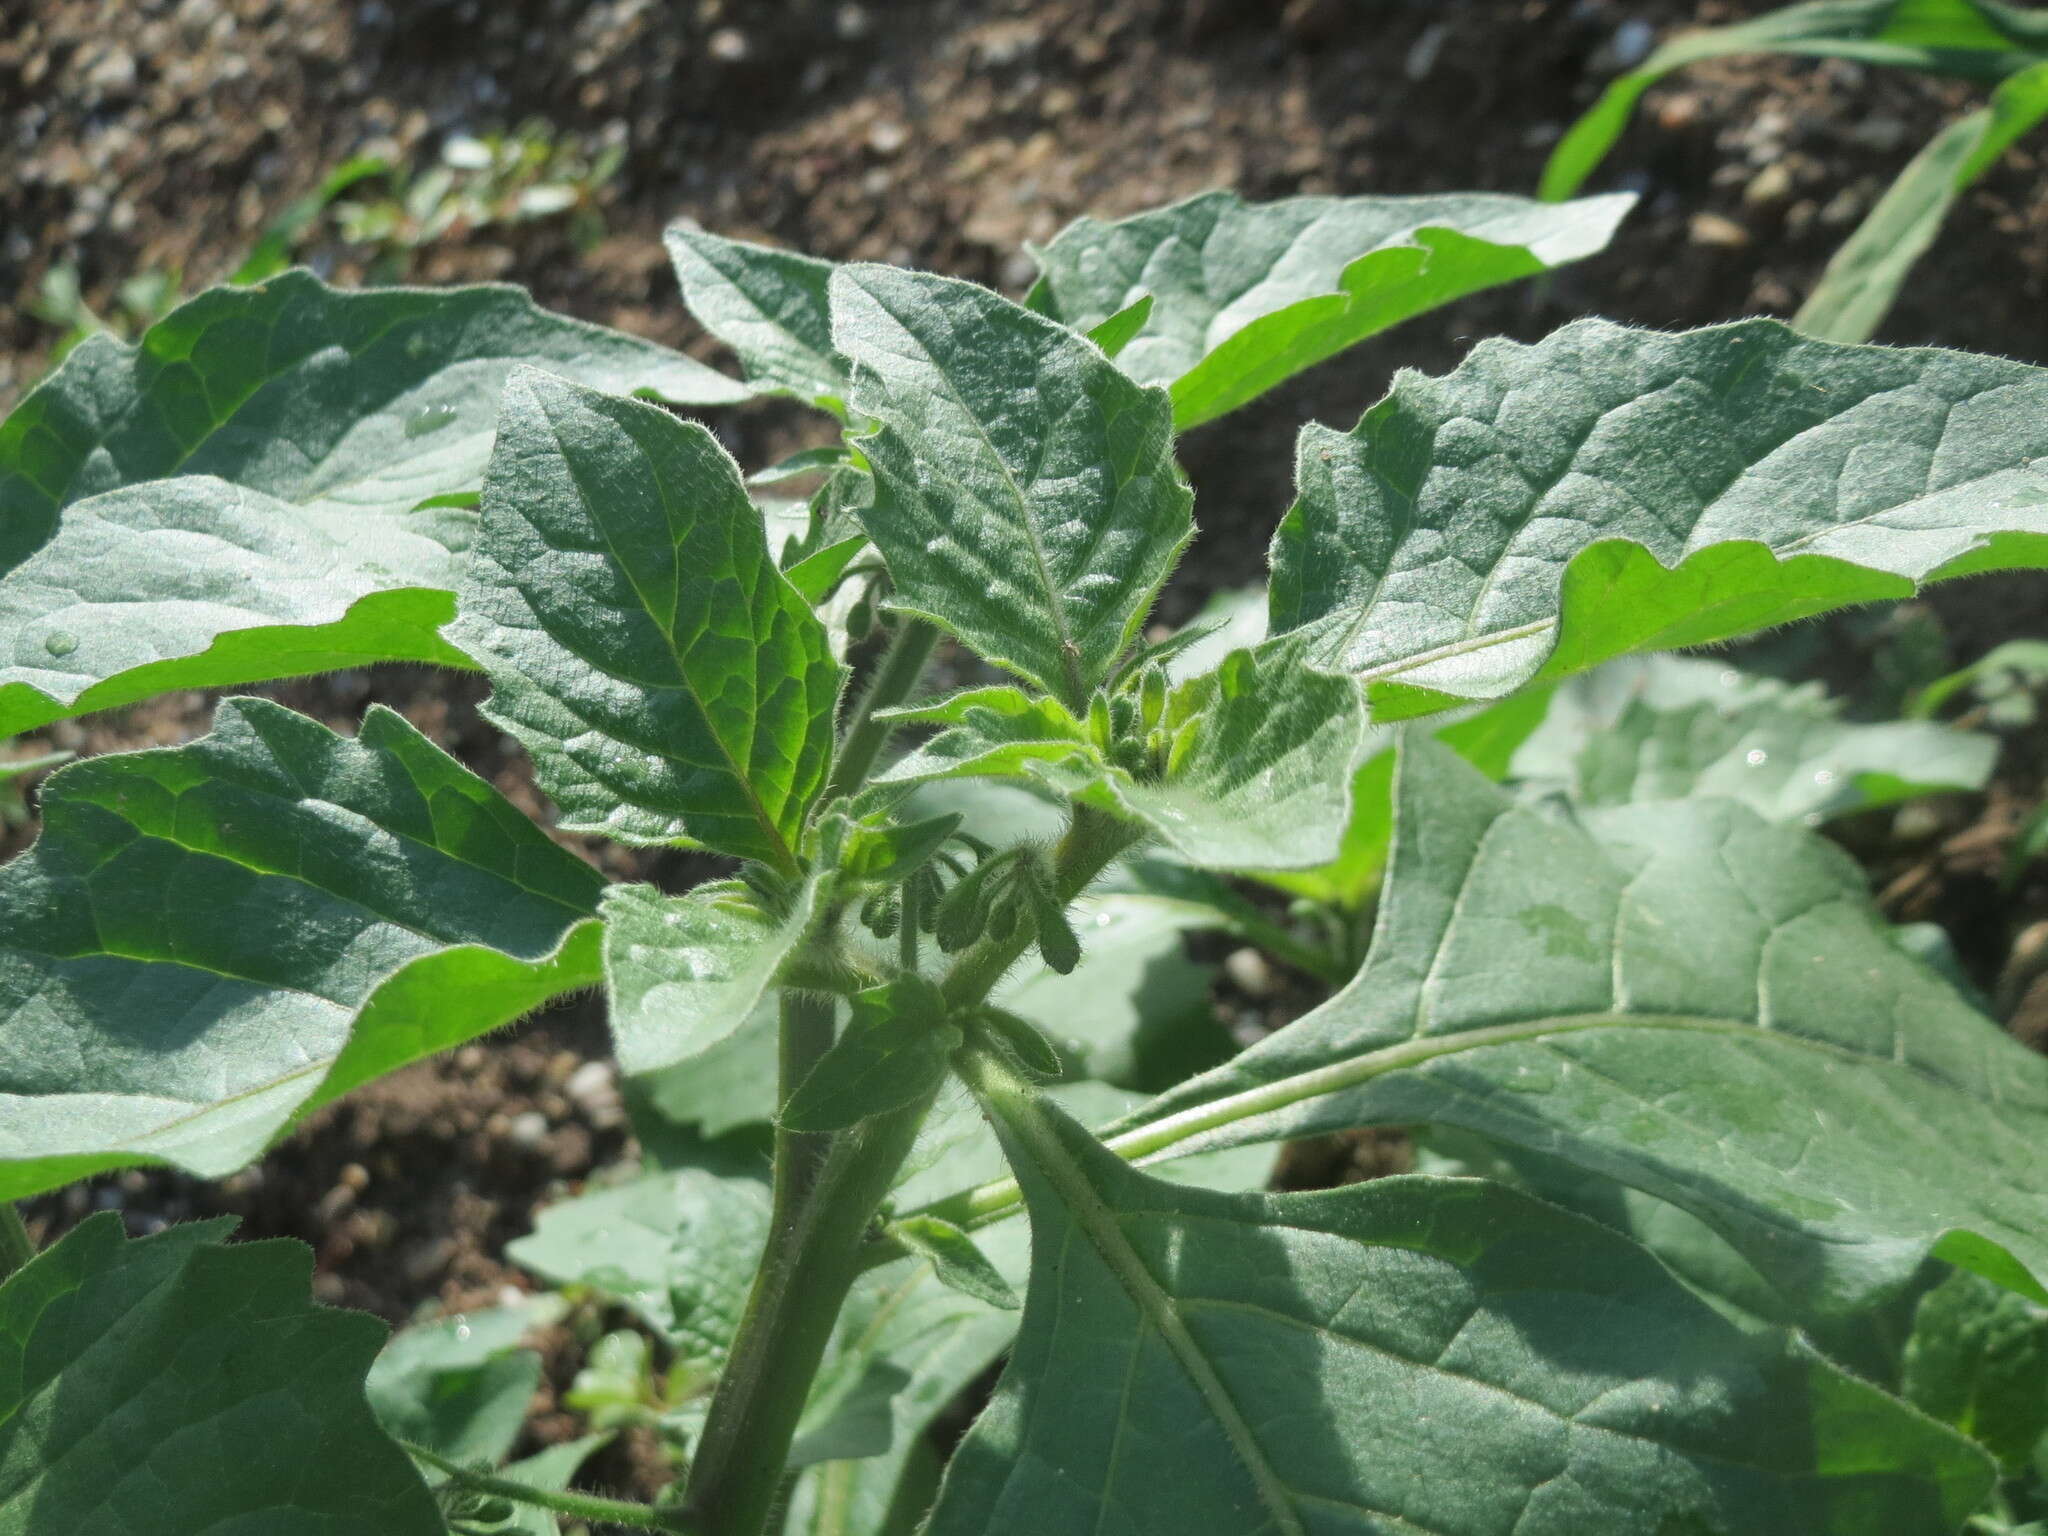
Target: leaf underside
1643,992
242,493
211,940
1245,295
1411,1355
1544,508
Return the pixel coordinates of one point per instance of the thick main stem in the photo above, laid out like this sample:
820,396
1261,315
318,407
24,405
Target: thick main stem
895,677
811,1263
817,1247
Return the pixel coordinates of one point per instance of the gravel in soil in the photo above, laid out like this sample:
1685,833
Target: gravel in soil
140,135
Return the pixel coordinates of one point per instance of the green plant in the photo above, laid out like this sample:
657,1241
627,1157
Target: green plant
1665,1288
2002,45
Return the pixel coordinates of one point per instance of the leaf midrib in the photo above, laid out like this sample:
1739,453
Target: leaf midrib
684,684
1156,1306
1055,599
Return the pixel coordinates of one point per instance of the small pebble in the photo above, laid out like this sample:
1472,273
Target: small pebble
1716,229
1250,972
528,1130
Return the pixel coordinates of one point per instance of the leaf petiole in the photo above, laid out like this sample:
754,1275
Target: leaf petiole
641,1517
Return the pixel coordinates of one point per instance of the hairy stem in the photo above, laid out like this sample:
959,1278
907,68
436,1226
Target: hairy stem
15,1247
585,1506
817,1247
805,1036
894,678
814,1256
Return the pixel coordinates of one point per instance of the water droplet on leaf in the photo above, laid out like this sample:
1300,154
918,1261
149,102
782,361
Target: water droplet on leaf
1756,757
60,642
429,418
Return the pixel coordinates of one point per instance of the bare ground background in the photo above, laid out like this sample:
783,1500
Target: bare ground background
139,136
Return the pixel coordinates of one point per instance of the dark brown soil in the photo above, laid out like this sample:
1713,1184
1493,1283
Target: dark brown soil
943,133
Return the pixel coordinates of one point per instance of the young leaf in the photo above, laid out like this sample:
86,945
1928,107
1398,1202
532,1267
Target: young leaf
1978,1359
1670,728
461,1385
892,1052
1115,332
669,682
769,306
1026,496
1406,1354
256,468
683,972
1682,997
678,1248
994,733
1974,39
1864,276
211,940
955,1259
1544,508
1248,294
174,1385
1263,780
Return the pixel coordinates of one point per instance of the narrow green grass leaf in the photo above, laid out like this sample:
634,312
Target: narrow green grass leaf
1245,295
1864,276
177,1386
1974,39
1545,508
669,682
209,941
243,493
1682,997
1411,1354
1026,496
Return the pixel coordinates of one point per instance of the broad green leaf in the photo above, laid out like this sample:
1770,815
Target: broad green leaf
178,1386
1864,276
678,1248
1025,492
1973,39
1682,997
892,1052
682,973
461,1385
1669,728
769,306
1978,1359
1544,508
243,493
1410,1354
211,940
669,682
1248,294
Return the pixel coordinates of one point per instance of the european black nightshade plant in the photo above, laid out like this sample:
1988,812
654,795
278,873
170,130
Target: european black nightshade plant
1704,1133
